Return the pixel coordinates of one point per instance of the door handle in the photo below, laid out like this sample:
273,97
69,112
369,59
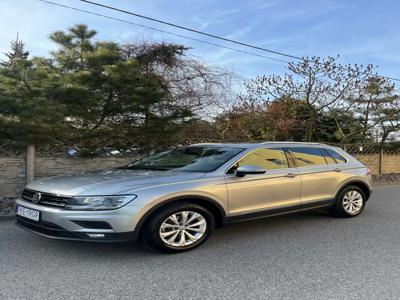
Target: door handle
290,175
337,170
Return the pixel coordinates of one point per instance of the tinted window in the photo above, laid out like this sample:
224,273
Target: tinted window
329,159
339,159
190,159
269,159
305,156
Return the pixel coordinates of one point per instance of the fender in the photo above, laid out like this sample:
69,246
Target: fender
362,184
144,218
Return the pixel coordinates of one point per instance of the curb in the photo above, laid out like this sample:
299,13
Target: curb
7,217
387,183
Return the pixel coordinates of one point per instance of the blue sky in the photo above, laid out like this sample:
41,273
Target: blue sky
360,31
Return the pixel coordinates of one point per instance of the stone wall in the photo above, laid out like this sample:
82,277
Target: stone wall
13,172
13,169
12,176
390,162
52,166
370,160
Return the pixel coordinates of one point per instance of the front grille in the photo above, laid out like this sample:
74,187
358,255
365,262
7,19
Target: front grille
46,199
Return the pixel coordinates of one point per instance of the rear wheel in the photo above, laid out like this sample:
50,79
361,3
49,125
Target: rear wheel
179,227
350,202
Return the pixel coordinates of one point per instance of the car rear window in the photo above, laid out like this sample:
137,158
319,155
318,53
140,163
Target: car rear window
307,156
329,159
336,156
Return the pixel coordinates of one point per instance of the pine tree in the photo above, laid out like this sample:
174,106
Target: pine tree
93,94
17,52
30,111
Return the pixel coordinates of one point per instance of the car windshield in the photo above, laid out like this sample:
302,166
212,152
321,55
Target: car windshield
189,159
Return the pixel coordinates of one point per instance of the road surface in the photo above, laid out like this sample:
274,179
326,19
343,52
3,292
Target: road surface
308,255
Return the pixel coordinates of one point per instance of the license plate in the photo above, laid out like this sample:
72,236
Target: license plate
28,213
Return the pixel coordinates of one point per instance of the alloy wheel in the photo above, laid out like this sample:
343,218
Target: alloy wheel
353,202
183,228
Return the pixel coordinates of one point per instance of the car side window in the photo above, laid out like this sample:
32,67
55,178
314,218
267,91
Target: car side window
329,159
307,156
267,158
339,159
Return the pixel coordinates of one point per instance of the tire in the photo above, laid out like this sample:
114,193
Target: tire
166,232
350,202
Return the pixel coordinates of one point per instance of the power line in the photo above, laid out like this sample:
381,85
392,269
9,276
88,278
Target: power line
195,31
220,37
191,29
164,31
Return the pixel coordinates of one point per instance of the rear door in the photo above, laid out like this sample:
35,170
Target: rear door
319,180
277,189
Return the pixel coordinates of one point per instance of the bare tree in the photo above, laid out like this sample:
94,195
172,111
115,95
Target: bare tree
320,83
192,83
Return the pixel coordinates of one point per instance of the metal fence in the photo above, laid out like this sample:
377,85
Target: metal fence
381,158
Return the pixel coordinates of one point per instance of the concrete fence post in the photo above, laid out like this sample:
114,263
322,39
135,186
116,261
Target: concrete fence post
30,163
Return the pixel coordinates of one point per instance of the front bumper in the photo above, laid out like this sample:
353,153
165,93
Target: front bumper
95,226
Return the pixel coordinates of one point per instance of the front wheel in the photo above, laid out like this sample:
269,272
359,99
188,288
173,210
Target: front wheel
350,202
179,227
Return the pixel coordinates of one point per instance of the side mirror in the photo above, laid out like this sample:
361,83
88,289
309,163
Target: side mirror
248,169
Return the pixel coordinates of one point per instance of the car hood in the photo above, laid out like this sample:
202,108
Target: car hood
109,182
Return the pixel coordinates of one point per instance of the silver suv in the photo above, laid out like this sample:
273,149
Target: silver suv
173,200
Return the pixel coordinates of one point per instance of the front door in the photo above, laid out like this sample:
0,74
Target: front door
278,190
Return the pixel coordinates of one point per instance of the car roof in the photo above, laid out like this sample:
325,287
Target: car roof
256,145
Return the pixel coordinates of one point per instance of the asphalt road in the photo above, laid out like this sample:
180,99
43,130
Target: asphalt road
306,256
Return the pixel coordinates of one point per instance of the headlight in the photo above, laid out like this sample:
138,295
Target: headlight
98,202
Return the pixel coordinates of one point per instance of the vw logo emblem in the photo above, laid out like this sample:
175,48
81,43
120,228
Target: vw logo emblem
36,198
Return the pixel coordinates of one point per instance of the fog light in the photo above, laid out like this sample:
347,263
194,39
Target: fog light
96,235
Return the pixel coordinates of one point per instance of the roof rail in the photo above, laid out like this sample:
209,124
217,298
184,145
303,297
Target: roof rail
288,142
